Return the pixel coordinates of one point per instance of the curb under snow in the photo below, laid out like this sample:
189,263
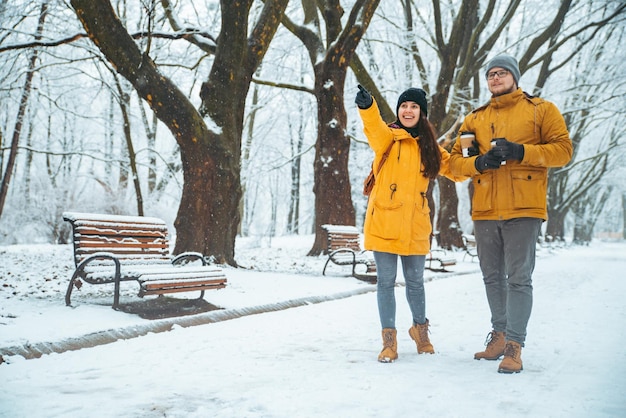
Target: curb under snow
36,350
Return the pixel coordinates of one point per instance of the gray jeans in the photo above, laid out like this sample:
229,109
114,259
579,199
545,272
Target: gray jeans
413,270
506,250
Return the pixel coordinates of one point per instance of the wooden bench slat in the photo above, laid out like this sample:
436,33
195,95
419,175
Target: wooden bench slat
142,269
126,251
162,291
134,272
124,245
166,284
127,230
344,243
126,258
129,261
130,250
78,218
191,276
126,236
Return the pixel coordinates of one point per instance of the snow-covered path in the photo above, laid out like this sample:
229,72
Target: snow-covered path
320,360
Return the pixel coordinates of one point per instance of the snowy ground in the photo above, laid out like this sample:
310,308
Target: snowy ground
292,343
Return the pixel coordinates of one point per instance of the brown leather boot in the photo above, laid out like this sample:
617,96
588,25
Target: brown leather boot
495,343
512,361
390,346
419,334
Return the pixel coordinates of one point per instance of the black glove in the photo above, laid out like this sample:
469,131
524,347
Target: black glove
487,161
363,98
507,150
473,150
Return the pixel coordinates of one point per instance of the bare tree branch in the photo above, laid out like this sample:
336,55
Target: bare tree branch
183,34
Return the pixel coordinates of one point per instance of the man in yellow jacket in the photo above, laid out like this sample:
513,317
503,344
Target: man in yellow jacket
518,137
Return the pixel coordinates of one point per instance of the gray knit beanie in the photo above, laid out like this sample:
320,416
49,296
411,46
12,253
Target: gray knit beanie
508,63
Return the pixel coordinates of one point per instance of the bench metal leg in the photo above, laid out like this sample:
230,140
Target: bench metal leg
324,271
68,293
116,297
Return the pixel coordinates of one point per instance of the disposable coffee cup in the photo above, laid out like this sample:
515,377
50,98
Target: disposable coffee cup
493,144
467,140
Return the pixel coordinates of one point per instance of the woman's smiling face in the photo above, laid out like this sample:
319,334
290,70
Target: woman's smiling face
409,114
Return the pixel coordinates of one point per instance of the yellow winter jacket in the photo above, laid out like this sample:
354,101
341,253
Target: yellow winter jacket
398,217
517,189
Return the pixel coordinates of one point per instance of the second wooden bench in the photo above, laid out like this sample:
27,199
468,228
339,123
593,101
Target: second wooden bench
344,249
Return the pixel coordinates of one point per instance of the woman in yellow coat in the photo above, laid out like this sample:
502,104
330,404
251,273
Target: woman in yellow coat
397,222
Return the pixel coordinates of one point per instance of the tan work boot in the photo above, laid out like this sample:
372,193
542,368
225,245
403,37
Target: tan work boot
390,346
495,343
512,361
419,334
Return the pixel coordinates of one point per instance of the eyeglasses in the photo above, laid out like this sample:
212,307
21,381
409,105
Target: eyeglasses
499,73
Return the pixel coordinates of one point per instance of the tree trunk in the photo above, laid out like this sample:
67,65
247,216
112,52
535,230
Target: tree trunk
124,102
223,101
587,211
333,194
293,216
623,215
208,214
245,167
151,129
28,163
450,233
555,229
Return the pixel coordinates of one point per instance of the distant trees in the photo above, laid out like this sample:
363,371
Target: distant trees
89,134
23,106
593,111
468,35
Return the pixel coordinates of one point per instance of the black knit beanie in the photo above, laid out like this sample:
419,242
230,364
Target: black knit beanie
414,95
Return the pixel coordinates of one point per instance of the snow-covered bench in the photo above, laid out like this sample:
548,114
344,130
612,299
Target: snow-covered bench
470,246
344,249
113,248
439,259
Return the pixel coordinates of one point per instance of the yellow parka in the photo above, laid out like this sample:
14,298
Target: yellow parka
517,189
398,217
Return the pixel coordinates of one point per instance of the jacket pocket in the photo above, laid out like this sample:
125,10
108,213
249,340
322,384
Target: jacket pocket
529,188
386,220
421,222
483,193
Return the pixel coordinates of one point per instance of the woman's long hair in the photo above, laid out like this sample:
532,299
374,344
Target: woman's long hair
429,148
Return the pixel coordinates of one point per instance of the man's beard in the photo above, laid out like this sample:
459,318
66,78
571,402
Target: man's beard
511,90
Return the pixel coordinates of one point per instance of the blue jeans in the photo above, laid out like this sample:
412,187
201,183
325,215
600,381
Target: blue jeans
413,269
506,250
